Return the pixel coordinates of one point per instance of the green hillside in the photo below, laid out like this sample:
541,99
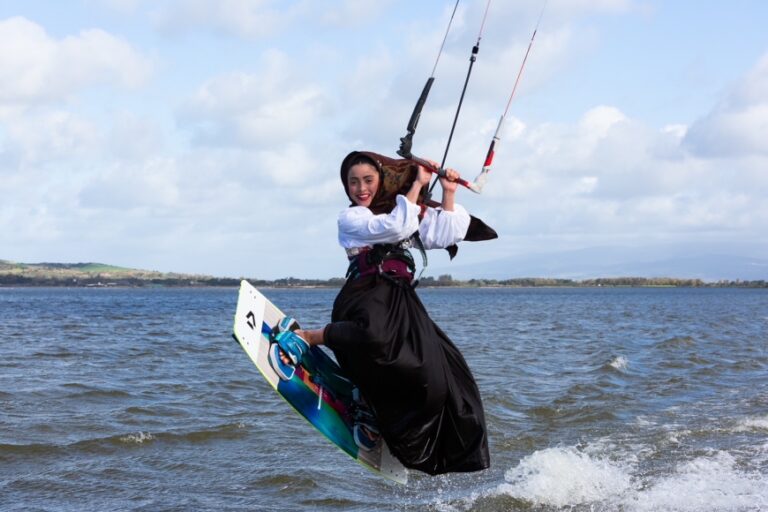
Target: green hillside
95,274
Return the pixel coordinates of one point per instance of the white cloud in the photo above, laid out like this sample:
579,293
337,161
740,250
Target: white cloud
254,110
598,121
738,125
134,137
36,136
289,165
153,184
370,80
609,176
35,67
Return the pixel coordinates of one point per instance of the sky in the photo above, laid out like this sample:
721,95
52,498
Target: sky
205,137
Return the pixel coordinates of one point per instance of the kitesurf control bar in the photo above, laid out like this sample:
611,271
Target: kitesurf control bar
442,172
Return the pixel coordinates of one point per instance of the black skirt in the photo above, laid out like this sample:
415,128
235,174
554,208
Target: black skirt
414,378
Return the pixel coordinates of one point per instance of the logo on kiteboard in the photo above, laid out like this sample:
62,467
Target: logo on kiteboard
251,320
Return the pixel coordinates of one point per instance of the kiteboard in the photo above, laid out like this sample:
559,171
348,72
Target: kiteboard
318,390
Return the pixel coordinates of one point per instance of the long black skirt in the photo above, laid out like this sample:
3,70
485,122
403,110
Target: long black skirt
414,378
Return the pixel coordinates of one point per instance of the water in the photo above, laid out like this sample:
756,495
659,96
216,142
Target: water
596,399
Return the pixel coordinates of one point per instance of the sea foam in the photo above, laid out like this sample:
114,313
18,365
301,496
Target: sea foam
138,438
712,483
759,423
565,476
619,363
569,477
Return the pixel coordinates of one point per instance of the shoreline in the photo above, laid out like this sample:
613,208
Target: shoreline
97,275
452,286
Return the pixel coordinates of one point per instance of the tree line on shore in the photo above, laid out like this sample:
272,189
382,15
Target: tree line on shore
179,280
447,280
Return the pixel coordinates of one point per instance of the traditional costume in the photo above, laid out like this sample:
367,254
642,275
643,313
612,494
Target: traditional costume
426,402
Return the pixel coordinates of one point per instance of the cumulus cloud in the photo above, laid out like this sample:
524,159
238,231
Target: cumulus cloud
36,67
738,125
610,177
254,110
152,184
134,137
39,136
289,165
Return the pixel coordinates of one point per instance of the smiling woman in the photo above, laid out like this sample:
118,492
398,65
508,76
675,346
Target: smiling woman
362,183
411,375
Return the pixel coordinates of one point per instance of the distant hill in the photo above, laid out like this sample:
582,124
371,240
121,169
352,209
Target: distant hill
530,271
96,274
102,275
600,262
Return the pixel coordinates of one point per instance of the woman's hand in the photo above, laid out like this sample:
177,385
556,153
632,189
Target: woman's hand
449,185
449,182
423,176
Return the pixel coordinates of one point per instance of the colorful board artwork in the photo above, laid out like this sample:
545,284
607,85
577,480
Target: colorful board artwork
318,390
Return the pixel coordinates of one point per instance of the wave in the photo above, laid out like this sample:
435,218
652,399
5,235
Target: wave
573,478
712,483
618,363
93,393
61,353
111,444
752,424
677,342
139,438
564,476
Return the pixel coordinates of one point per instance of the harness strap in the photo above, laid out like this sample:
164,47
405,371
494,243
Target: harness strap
391,261
419,245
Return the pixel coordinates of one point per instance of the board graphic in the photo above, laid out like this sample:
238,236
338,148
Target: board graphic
318,390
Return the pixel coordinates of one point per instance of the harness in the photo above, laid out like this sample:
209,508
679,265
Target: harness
391,261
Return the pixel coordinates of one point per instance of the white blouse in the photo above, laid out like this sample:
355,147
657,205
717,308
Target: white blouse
359,227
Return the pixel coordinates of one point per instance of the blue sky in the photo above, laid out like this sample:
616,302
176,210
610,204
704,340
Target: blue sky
205,137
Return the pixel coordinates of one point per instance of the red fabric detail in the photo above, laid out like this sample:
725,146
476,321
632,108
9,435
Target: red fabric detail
391,267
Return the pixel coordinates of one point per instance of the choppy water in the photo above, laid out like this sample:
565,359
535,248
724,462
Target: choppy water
596,399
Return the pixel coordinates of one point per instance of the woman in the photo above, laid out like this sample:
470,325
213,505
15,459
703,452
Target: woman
425,400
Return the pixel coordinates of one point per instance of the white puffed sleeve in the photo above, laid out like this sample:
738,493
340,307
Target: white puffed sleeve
440,228
359,227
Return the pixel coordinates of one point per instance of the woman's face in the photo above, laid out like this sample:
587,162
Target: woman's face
363,183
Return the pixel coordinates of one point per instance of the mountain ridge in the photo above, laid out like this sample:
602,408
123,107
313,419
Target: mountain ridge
601,262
